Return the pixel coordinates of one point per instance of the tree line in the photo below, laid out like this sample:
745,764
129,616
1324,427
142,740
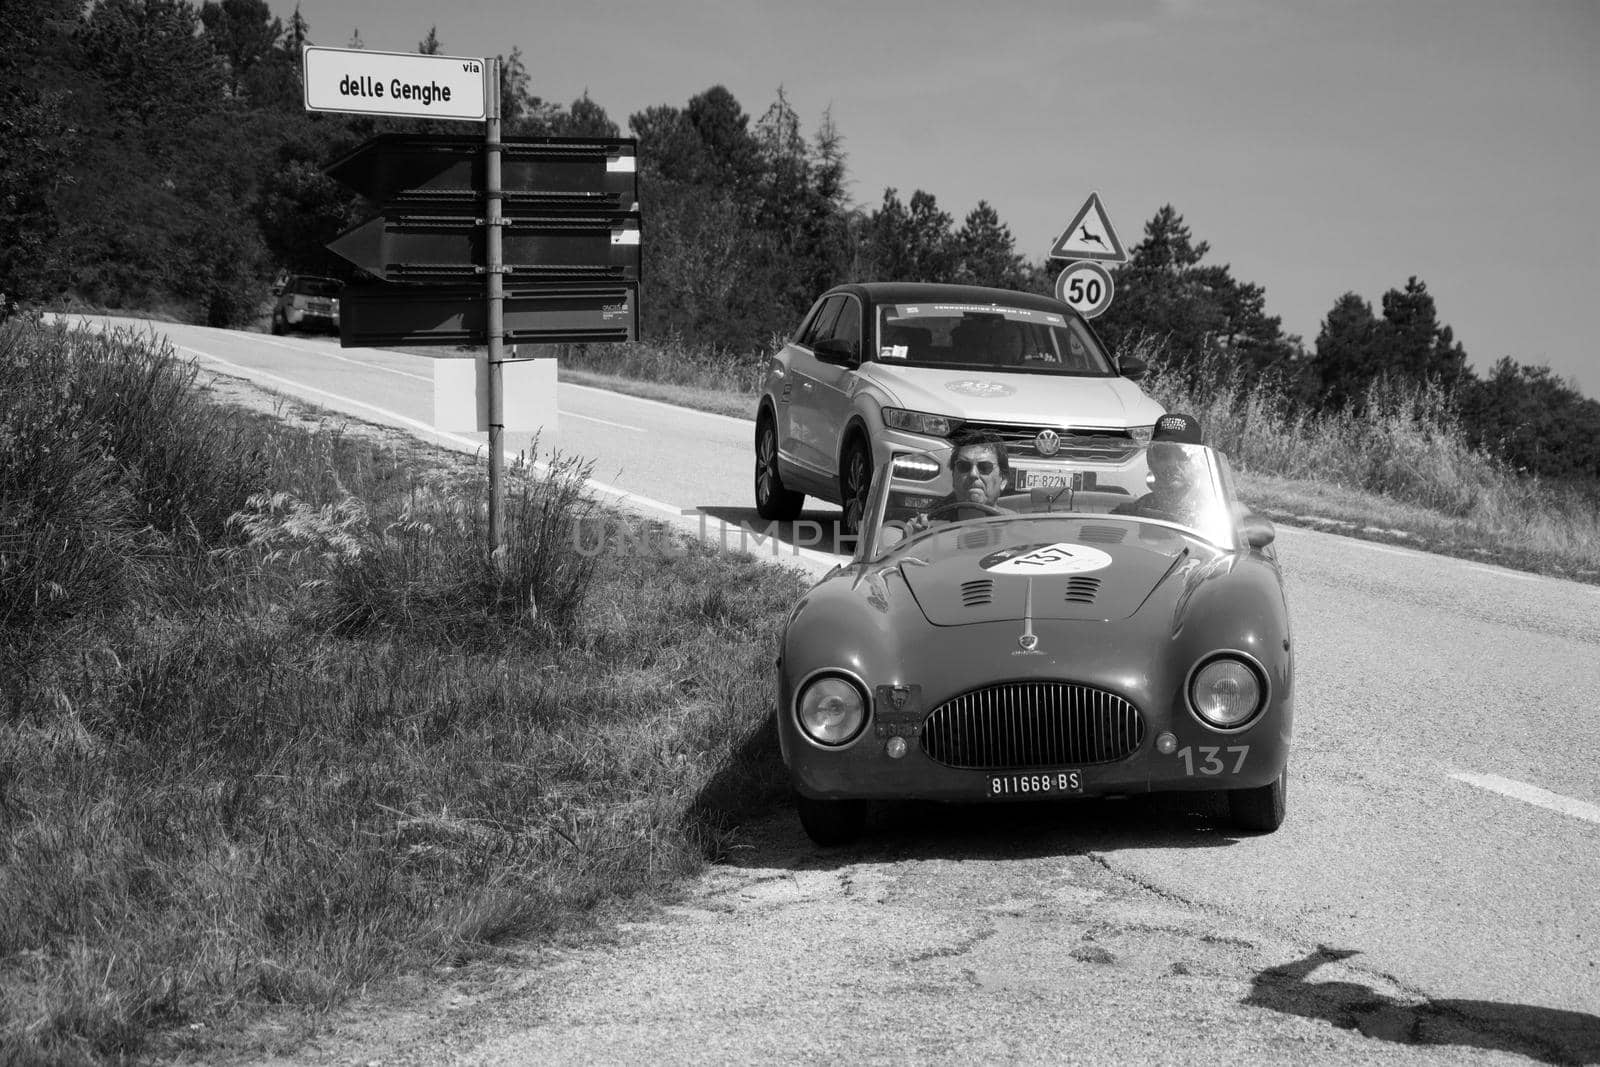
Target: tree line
156,154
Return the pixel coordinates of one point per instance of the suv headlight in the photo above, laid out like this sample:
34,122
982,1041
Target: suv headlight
920,422
1142,434
1226,693
832,710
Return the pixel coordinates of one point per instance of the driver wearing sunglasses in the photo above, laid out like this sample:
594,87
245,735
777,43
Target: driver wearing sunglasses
979,472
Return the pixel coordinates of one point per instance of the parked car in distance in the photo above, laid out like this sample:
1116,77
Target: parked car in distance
1092,640
307,302
880,367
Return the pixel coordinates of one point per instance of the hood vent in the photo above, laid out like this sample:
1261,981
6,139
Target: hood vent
1102,535
981,538
1082,590
977,592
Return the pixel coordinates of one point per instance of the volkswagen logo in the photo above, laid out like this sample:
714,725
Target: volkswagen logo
1028,642
1048,443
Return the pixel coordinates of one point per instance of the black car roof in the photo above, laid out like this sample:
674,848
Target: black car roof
928,292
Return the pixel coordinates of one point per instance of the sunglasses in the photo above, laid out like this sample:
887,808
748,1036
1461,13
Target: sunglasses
985,466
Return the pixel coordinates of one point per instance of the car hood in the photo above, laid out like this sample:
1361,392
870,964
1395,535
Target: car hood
988,396
960,578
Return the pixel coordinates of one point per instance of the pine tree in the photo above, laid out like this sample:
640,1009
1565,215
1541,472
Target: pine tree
1347,356
911,244
986,252
1198,314
429,45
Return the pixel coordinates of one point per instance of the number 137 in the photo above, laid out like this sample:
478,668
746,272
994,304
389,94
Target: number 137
1209,763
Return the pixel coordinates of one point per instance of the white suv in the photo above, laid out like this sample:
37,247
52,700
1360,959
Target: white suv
885,367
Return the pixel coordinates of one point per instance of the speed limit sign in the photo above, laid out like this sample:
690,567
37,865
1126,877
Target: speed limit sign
1087,286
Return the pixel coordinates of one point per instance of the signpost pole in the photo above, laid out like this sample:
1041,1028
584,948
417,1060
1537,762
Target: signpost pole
494,221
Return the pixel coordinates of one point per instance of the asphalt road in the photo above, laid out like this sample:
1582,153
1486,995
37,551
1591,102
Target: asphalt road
1433,896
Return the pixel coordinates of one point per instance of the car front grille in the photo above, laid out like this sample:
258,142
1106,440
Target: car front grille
1094,446
1018,725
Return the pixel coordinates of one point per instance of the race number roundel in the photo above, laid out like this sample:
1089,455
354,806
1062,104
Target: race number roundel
1087,286
1058,558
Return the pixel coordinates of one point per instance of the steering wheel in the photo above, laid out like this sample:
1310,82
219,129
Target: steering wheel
956,505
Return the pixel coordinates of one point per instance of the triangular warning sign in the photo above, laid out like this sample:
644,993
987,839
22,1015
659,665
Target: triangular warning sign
1089,236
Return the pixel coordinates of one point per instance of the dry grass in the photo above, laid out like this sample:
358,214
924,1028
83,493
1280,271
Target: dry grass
339,744
1402,465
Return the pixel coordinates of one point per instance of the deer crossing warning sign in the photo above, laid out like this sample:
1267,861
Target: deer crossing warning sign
1090,236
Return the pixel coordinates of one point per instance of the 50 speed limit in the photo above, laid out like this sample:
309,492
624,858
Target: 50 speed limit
1087,286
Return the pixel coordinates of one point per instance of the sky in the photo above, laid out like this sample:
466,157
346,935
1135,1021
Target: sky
1318,147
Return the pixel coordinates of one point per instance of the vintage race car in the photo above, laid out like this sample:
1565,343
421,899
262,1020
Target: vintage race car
1086,640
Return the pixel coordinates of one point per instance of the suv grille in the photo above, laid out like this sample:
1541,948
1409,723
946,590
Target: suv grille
1095,446
1032,724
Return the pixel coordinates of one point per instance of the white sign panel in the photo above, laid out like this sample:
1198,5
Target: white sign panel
527,393
404,84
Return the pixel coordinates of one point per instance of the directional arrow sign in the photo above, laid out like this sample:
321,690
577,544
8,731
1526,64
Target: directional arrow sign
1089,236
547,173
409,315
445,247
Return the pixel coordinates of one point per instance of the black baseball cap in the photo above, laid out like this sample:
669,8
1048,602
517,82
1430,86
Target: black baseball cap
1177,428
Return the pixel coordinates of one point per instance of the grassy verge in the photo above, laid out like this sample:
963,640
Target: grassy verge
282,731
1400,471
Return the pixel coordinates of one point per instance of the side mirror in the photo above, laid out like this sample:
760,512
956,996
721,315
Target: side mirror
1131,368
838,351
1258,530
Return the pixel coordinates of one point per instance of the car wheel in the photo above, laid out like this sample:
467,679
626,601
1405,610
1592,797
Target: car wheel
773,501
278,326
832,822
855,479
1260,810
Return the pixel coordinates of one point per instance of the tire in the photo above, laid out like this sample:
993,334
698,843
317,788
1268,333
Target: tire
1260,810
279,328
831,823
773,501
855,480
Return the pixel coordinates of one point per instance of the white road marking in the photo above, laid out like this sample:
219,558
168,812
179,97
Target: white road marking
780,549
1505,573
1532,794
607,422
747,423
1385,549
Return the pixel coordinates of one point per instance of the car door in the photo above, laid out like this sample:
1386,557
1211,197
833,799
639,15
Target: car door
805,432
835,389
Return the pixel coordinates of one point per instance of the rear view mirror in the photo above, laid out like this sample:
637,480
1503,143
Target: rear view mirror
1131,368
838,351
1258,530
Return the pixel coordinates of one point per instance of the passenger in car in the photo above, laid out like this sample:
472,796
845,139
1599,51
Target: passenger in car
1174,493
915,340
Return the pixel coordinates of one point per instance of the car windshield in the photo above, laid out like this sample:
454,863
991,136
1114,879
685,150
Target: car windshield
315,287
1170,491
988,337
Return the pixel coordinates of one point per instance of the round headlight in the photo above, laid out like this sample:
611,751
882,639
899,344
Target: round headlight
832,710
1226,692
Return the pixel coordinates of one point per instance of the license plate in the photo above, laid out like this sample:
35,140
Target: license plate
1027,479
1038,784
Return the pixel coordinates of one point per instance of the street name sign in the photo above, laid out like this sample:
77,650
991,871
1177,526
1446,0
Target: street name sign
1090,236
403,84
